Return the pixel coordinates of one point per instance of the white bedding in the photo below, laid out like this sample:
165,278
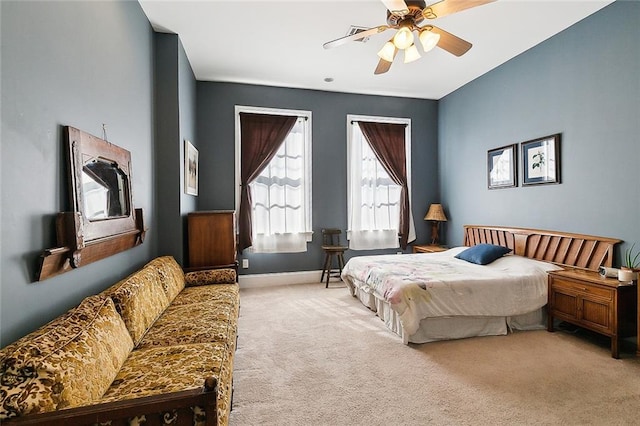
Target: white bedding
433,285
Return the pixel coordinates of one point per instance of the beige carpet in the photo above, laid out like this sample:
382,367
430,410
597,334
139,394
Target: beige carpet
314,356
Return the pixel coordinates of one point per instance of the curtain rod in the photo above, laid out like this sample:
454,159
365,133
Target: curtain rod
356,121
306,118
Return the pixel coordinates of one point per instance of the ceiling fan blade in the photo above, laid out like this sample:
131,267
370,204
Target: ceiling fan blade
362,34
452,44
447,7
383,66
396,7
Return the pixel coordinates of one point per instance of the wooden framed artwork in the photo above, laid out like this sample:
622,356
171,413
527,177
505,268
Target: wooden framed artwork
190,168
541,160
501,167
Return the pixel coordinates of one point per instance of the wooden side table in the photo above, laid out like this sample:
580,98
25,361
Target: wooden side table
584,298
428,248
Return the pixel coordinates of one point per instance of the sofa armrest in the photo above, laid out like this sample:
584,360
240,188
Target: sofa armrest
210,276
156,409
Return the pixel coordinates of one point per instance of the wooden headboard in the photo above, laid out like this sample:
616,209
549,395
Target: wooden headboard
562,248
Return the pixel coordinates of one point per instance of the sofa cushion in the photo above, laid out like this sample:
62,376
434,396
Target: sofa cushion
140,299
210,276
41,372
53,330
170,274
211,311
219,293
166,331
159,370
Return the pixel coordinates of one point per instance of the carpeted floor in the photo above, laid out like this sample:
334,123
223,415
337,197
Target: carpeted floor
314,356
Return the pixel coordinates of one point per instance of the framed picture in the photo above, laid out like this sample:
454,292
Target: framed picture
541,160
501,167
190,168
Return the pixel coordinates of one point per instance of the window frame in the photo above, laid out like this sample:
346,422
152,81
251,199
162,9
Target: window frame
308,185
351,121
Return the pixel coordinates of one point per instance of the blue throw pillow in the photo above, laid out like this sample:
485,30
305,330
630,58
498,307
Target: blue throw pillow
483,254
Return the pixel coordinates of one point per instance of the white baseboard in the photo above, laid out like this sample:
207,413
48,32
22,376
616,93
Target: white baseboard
284,278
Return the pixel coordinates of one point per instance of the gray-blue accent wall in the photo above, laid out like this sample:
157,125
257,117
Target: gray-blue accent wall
67,63
583,83
216,135
175,103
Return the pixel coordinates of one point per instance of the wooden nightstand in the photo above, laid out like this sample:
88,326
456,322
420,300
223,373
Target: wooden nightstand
428,249
588,300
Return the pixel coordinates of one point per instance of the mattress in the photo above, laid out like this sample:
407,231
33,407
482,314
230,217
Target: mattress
456,298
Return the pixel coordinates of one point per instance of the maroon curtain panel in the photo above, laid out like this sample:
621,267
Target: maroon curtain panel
260,136
387,143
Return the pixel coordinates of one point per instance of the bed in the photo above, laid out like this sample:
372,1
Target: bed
426,297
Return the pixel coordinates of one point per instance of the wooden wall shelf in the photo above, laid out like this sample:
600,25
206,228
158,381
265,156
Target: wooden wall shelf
75,253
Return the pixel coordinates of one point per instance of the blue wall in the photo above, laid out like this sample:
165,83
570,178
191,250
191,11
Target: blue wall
583,83
175,102
215,118
67,63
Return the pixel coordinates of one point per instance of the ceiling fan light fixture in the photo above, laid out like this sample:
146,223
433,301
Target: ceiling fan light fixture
387,52
428,39
403,38
411,54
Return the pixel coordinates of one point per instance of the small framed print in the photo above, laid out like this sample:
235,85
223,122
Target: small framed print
190,168
541,160
501,167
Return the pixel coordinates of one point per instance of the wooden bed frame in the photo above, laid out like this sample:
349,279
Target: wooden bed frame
562,248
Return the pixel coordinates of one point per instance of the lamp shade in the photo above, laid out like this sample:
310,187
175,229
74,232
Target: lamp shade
436,213
428,39
403,38
411,54
387,52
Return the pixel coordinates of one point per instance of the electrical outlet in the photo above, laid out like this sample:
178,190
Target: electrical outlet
245,263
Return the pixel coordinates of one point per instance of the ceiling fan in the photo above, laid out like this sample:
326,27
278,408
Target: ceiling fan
405,17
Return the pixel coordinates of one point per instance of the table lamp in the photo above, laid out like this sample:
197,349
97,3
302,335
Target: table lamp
435,215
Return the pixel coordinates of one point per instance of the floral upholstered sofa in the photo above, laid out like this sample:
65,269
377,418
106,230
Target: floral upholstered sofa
156,347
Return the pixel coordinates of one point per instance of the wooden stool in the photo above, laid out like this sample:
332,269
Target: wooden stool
332,248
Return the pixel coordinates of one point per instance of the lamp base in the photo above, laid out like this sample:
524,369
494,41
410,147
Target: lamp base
434,233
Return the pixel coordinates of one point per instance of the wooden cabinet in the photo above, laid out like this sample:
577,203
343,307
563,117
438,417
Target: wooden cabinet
588,300
212,239
428,249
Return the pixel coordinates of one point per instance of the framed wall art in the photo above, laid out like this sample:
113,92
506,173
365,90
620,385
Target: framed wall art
541,160
190,168
501,167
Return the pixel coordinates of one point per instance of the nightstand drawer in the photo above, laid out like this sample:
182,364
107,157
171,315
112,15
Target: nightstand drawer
564,285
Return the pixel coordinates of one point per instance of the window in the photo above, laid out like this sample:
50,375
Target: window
374,198
281,192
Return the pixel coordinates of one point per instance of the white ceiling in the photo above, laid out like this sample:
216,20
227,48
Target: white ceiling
279,43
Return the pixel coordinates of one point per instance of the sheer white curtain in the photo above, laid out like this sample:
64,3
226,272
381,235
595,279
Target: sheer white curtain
374,199
279,199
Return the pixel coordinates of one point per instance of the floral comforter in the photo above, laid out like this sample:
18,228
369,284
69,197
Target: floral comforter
424,285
